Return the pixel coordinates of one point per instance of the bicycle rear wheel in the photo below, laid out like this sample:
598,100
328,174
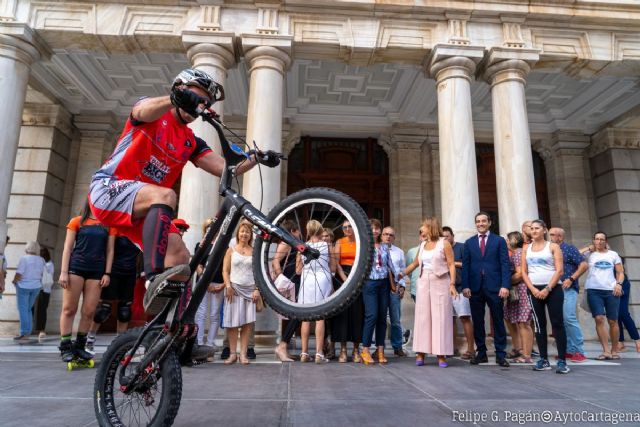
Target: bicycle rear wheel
156,400
319,294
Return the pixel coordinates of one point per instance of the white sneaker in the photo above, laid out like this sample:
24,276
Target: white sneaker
42,335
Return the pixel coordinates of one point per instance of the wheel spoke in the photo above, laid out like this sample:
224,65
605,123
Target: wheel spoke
319,292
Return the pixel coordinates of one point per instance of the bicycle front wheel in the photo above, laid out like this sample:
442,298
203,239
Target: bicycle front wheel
320,292
156,399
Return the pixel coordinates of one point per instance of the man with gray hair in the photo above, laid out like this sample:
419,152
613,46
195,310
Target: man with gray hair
395,298
574,266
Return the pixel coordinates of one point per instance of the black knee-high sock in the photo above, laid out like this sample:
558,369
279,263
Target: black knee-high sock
155,238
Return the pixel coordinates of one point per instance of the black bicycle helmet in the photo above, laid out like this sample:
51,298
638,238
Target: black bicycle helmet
198,78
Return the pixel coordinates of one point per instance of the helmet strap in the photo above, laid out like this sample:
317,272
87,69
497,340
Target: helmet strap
180,117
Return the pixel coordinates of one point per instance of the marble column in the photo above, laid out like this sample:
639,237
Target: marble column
453,68
199,197
506,71
267,66
16,57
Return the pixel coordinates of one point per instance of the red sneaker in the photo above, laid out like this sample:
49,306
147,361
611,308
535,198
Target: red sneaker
577,358
567,356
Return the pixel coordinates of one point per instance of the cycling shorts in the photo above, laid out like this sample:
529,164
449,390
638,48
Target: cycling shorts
87,274
111,202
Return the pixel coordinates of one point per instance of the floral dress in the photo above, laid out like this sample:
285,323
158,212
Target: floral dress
518,311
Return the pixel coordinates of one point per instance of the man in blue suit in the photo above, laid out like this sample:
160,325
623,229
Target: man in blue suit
486,279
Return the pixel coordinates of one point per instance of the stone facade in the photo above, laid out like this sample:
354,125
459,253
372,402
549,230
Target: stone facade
427,79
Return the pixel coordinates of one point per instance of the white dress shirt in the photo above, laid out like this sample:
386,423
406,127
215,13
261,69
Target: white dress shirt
398,262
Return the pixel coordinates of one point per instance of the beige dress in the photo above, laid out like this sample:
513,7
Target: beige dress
242,309
433,327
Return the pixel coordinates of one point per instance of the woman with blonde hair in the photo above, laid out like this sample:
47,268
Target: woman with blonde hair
433,327
315,286
28,282
241,293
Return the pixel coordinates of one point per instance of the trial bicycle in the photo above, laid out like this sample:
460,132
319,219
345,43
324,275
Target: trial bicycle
139,379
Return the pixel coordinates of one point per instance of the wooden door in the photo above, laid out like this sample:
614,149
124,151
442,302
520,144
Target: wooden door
357,167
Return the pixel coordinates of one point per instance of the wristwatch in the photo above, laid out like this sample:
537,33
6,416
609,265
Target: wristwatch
572,279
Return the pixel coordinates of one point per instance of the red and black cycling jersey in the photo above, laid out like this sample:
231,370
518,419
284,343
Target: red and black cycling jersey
154,152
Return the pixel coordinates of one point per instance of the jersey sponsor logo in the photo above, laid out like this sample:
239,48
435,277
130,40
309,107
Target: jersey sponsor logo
156,170
116,188
603,265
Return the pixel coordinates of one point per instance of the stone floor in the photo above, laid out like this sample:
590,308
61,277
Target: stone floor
36,390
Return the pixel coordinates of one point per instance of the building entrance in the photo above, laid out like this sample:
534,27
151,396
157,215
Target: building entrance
357,167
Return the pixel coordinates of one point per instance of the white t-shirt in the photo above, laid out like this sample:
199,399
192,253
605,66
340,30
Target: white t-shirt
602,273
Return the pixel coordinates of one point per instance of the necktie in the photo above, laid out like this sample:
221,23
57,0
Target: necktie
482,244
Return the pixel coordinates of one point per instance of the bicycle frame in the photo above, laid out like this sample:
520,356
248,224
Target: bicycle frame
177,323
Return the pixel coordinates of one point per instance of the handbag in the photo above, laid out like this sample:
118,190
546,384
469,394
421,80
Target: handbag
47,280
285,287
514,294
259,304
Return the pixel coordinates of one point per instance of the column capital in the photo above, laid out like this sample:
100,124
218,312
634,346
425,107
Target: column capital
92,126
569,142
18,49
209,54
504,64
447,60
48,115
210,45
267,51
290,139
610,137
268,57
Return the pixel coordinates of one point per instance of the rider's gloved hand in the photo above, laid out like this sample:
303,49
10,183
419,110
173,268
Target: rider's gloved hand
186,100
268,158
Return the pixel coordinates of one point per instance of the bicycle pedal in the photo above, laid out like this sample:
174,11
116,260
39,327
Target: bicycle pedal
170,288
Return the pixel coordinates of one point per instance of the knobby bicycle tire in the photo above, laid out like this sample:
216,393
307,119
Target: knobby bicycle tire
350,289
106,384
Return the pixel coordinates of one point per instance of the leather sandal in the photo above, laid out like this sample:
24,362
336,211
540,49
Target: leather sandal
381,358
233,358
282,355
343,356
304,357
366,358
320,359
356,356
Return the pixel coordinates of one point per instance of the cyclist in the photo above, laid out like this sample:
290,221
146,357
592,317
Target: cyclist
132,191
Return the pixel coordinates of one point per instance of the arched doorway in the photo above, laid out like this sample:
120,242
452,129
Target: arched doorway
358,167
